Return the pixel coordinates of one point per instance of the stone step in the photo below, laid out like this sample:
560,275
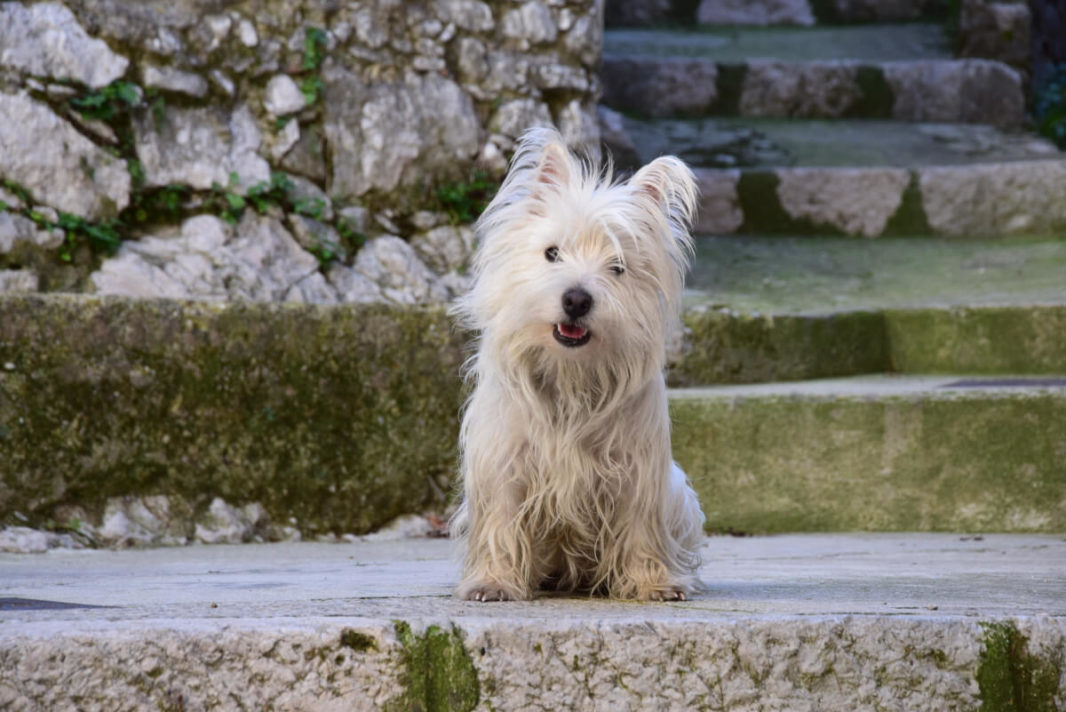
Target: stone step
905,73
894,622
638,13
877,453
782,275
338,419
808,12
857,177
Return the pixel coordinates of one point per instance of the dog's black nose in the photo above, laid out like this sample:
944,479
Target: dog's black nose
577,303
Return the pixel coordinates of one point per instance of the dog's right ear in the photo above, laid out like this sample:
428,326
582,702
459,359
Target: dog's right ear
553,171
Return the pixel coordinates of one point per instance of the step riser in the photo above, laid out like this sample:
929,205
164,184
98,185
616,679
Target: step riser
725,347
976,200
783,663
967,463
959,91
347,417
762,12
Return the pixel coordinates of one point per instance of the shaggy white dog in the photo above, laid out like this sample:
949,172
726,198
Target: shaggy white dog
567,479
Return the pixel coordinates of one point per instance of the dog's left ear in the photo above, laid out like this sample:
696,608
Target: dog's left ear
669,183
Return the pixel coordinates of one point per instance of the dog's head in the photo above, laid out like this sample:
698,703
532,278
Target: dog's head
572,266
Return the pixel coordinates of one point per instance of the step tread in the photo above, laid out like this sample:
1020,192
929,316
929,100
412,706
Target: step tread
869,143
888,386
929,574
795,622
870,43
827,274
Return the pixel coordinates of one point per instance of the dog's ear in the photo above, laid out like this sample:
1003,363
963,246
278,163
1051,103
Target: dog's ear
668,183
553,169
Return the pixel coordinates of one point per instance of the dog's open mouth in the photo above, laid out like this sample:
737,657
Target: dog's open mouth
571,335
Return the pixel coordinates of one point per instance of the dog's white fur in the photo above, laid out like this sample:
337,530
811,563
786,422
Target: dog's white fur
567,477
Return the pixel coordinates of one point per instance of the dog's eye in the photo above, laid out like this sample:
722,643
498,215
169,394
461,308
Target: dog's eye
617,268
552,254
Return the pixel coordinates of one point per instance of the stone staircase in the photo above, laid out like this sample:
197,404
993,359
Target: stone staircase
945,399
893,409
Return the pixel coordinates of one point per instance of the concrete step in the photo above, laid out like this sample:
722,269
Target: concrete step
904,73
892,622
859,177
877,453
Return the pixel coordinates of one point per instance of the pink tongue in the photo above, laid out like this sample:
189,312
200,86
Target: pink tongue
571,331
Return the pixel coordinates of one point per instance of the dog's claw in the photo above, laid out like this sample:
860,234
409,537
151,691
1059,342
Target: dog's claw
669,594
488,594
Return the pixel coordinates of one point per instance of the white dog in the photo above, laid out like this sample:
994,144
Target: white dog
567,478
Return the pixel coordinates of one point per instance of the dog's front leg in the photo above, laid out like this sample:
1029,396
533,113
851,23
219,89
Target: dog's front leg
497,560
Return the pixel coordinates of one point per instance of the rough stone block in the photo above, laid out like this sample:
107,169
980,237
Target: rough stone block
719,211
45,39
64,169
856,201
662,87
1022,197
812,89
755,12
965,91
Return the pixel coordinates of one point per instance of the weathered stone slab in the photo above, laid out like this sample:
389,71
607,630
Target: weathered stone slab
965,91
723,346
64,170
856,201
995,198
996,30
885,454
719,211
389,135
659,87
823,89
341,418
757,12
45,39
200,147
813,622
257,260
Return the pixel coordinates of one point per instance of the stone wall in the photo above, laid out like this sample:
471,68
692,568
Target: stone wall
300,150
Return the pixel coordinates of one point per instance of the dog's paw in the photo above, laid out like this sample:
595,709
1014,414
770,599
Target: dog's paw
668,594
487,593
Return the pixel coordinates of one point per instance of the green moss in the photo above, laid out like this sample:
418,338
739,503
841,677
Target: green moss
342,417
439,674
877,97
1010,678
977,340
727,347
730,85
359,642
910,217
949,463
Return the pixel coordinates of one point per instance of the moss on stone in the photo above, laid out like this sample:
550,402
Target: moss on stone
978,340
1010,677
439,674
730,86
910,217
947,463
727,347
359,642
340,417
760,204
877,97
